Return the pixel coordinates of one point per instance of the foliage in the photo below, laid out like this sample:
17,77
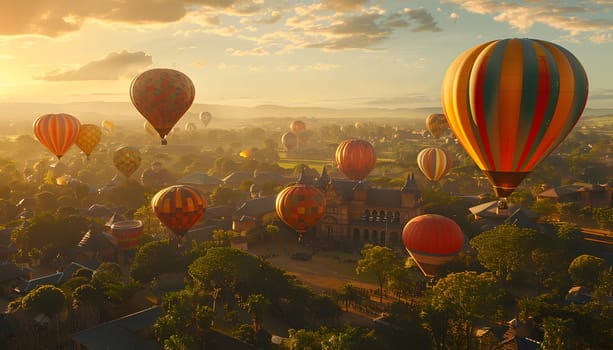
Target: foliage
46,299
255,306
585,269
85,294
505,250
559,334
380,261
155,258
108,280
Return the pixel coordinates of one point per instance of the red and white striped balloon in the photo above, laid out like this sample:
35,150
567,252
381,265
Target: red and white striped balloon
57,132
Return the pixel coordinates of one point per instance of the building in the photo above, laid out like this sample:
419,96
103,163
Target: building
584,194
357,213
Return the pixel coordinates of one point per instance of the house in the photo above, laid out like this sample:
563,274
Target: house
357,213
257,177
11,276
584,194
201,181
131,332
54,279
489,215
96,245
250,214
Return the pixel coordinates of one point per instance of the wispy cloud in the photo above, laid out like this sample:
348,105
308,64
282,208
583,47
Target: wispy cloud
574,18
115,65
257,51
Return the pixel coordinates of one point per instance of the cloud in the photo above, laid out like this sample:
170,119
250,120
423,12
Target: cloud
115,65
403,100
271,17
574,18
344,5
54,18
322,67
313,27
257,51
423,20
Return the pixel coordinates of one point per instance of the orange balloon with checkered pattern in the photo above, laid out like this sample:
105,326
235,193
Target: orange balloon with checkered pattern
300,206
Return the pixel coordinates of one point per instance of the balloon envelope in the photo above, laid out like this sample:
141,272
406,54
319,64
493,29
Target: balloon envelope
355,158
107,127
127,233
57,132
162,96
511,102
300,206
297,126
88,138
127,159
432,240
437,124
434,162
289,140
178,207
205,118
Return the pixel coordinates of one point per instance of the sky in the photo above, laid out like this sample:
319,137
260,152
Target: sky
327,53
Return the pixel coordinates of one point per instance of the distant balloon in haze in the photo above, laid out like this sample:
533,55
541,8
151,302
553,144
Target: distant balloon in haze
437,124
127,159
289,140
434,162
205,118
88,138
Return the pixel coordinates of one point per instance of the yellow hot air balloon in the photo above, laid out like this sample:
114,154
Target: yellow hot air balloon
88,138
107,127
127,159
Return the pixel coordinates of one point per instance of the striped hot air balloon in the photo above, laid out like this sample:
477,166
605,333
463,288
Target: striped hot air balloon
178,207
434,162
289,140
127,233
57,132
432,240
511,102
355,158
88,138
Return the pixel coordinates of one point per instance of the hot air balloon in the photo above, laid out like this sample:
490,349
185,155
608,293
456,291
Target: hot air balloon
127,159
178,207
57,132
107,127
300,206
437,124
246,153
510,103
88,138
355,158
190,127
162,96
127,233
289,140
432,240
434,162
297,126
205,118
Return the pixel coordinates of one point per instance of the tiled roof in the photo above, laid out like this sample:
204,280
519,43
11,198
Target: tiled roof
199,179
257,207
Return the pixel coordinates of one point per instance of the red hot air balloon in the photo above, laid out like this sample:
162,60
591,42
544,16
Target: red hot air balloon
434,162
511,102
289,140
432,240
162,96
127,233
57,132
437,124
178,207
300,206
297,126
355,158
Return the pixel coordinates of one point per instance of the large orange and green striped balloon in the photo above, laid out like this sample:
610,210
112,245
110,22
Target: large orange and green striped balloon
511,102
434,162
178,207
57,132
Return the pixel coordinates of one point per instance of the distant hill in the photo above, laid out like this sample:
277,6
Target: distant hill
94,112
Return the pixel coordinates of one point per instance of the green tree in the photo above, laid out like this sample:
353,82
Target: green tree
155,258
505,250
45,299
585,269
349,295
560,334
379,261
255,306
